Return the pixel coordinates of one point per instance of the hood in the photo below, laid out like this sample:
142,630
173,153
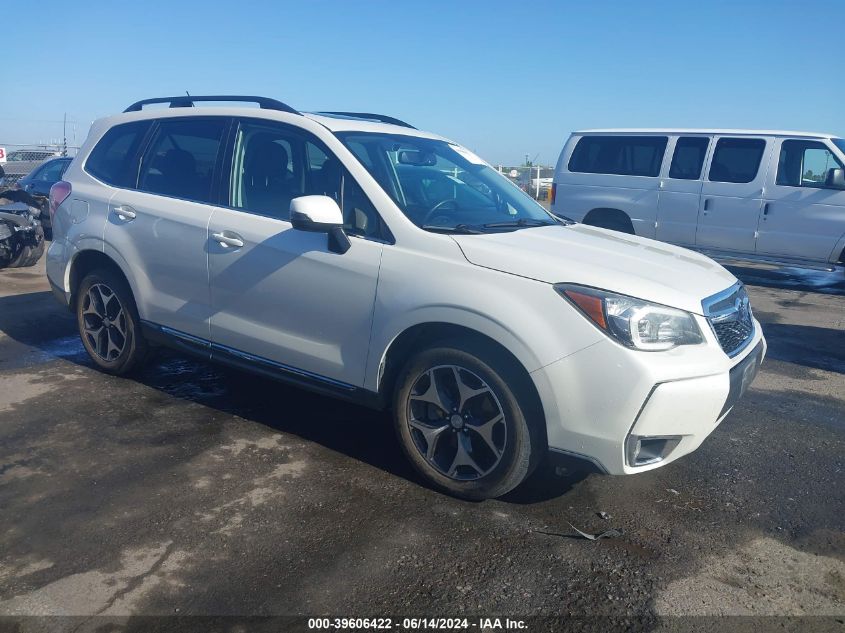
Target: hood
590,256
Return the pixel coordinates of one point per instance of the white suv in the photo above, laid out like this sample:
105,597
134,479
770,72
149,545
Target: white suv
354,255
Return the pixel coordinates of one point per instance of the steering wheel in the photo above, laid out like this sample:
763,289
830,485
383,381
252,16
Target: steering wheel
439,206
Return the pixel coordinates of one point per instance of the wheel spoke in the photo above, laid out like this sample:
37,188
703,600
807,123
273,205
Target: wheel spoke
119,322
432,394
485,431
111,345
431,434
463,457
465,392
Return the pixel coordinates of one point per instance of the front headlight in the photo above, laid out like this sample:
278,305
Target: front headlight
633,322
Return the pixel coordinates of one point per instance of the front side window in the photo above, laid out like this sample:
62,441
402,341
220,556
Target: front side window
273,165
805,164
737,160
443,187
113,159
181,158
619,155
689,157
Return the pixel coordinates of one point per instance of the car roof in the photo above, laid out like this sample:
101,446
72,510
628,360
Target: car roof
333,123
716,131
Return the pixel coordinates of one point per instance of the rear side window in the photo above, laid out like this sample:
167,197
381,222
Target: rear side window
689,157
737,159
181,158
621,155
113,158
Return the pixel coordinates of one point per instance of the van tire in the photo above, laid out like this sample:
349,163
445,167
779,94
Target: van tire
518,436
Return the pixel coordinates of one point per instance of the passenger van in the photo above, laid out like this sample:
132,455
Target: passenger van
773,197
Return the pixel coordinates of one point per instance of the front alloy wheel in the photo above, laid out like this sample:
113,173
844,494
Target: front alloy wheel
466,419
457,423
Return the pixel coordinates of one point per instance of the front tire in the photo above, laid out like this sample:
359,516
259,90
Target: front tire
108,323
464,422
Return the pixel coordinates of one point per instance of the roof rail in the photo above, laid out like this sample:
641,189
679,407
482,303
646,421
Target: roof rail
370,117
185,101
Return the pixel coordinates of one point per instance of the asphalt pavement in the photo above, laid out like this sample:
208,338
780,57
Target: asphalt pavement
192,490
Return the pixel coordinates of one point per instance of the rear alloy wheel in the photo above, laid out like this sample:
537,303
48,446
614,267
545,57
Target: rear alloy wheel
108,323
462,425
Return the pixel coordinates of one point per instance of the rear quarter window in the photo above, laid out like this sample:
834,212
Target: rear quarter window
619,155
114,159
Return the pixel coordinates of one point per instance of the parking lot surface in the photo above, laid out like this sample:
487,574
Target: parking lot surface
189,489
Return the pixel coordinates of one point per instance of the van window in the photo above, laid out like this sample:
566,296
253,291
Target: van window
113,158
181,158
737,159
621,155
805,164
689,157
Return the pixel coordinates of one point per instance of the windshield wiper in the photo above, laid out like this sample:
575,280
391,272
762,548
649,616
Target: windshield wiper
520,222
461,229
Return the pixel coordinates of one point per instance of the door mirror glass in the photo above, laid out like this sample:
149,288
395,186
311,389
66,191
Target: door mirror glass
318,214
835,178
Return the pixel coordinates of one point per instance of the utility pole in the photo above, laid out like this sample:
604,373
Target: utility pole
64,136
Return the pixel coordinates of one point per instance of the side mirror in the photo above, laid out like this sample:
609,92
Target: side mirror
320,214
835,179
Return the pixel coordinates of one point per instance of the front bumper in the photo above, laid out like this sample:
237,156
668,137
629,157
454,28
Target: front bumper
599,400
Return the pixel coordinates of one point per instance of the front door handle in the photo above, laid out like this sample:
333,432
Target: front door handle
124,212
765,209
227,239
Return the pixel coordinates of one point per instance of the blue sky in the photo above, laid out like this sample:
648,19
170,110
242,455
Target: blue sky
504,78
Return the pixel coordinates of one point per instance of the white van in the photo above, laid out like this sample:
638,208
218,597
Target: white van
774,197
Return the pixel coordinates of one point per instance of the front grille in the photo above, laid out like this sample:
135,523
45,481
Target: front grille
729,315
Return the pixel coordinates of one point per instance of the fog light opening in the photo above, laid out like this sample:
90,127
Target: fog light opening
642,450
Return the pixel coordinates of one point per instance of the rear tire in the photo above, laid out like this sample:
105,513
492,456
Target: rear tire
108,323
446,403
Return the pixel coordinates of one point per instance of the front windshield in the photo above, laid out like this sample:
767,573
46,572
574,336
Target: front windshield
840,143
444,187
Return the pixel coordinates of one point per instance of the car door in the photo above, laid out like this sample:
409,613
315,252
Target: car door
280,298
160,228
680,191
803,217
732,194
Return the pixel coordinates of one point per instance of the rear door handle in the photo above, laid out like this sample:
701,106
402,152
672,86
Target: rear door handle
125,212
227,239
766,209
706,205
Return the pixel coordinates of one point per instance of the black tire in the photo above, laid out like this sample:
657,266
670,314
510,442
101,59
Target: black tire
521,436
29,255
124,323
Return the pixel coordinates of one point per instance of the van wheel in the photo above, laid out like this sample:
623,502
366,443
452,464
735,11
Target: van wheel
461,424
108,323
